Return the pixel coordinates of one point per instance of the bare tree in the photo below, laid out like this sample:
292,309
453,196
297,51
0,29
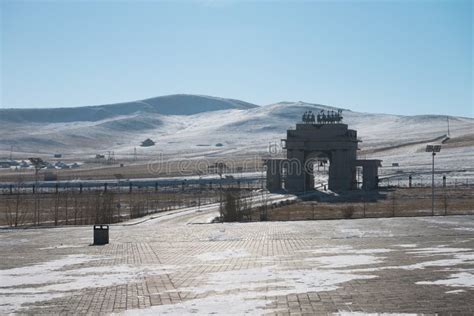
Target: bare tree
14,216
230,211
66,197
56,209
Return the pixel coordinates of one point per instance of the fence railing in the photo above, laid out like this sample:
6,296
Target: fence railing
423,182
127,186
106,204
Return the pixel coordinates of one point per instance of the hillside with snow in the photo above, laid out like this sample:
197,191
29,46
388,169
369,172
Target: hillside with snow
192,126
179,104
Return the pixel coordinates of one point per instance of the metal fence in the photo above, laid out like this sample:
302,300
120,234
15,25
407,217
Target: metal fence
79,205
418,181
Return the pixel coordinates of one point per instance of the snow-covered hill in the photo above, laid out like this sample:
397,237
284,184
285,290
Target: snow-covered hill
192,126
179,104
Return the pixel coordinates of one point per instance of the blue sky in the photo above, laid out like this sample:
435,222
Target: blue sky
402,57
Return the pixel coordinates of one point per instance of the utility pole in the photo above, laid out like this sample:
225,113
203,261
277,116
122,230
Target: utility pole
221,209
433,149
447,119
432,184
38,163
199,191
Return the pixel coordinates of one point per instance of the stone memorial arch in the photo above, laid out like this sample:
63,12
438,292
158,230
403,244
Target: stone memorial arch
315,138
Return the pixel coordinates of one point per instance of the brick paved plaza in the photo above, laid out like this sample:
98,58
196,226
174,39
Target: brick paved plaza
180,265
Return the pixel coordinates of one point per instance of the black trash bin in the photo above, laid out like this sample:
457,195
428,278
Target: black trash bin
101,234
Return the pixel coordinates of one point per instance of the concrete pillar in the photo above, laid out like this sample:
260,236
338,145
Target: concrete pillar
369,178
295,177
309,176
274,179
370,174
341,170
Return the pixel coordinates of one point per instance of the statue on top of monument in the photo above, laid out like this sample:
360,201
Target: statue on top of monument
308,117
305,117
328,117
339,115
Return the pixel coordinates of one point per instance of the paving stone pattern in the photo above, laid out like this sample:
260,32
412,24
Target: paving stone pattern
180,266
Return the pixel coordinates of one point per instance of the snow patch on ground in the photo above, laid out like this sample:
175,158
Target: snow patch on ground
235,304
468,229
455,292
42,273
290,281
61,247
408,245
221,236
359,233
8,242
450,221
57,278
347,250
349,313
457,259
454,257
438,250
457,256
462,279
346,260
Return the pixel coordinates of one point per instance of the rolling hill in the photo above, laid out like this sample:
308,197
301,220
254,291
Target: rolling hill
191,126
180,104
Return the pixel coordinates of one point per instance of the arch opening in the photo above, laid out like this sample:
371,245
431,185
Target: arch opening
316,168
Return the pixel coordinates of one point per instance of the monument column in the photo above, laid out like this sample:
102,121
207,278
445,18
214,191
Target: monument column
341,170
295,171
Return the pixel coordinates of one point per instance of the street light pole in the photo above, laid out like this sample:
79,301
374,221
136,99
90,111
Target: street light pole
38,163
432,185
433,149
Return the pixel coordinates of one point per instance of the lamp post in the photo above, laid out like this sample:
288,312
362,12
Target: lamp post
433,149
38,163
199,190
